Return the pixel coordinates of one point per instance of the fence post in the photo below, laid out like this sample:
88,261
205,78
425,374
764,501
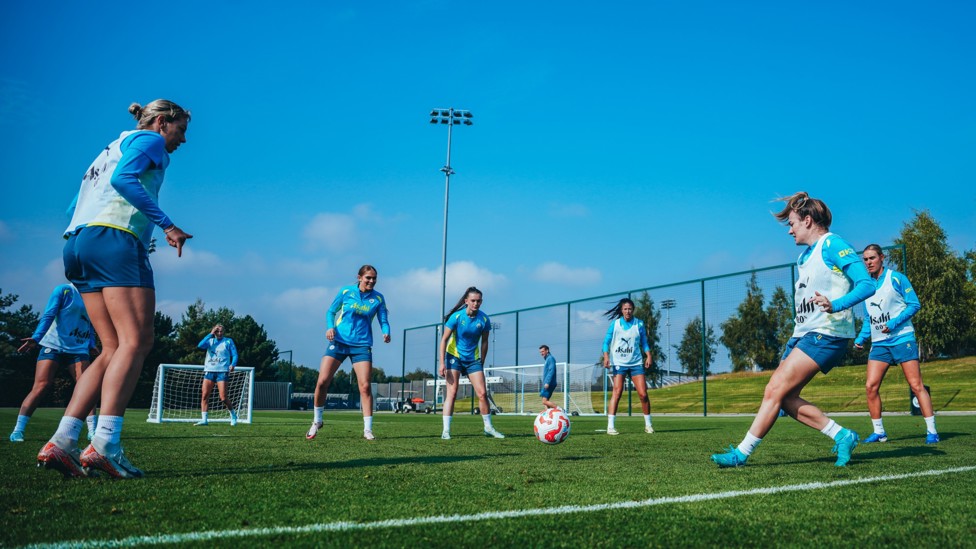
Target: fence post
704,350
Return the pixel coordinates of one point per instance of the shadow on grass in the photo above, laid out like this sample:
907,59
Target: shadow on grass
323,466
874,452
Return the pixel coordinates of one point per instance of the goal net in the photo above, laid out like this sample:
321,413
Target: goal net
176,395
515,389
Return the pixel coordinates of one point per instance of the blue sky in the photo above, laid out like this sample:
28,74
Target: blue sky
618,146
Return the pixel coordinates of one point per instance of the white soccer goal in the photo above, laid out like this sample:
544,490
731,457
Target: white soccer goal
176,395
515,389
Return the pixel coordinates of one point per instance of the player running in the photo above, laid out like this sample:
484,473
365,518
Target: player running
220,361
888,323
350,334
831,280
625,342
462,351
106,257
66,338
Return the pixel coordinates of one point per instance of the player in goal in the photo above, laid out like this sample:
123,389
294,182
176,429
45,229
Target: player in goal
176,395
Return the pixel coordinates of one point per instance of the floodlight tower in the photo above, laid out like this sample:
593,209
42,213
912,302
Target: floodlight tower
667,305
450,117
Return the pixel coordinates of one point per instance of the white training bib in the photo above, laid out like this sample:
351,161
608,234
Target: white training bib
814,277
885,304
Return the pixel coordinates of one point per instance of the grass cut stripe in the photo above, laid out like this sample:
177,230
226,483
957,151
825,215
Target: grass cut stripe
493,515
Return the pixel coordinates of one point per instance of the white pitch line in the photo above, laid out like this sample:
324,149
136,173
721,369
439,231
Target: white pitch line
493,515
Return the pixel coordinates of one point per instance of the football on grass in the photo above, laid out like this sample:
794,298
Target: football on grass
552,426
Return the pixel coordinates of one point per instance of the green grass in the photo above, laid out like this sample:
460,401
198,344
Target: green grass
265,475
952,383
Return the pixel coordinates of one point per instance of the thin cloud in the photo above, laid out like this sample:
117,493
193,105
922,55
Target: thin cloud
337,232
559,209
420,289
165,260
557,273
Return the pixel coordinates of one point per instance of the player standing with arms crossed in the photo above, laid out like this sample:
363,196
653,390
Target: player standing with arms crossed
888,323
106,257
831,280
463,349
548,377
349,324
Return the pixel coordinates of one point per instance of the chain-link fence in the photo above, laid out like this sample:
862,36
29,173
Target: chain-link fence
574,330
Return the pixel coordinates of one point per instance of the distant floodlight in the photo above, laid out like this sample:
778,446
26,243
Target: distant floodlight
445,113
468,122
443,121
457,114
467,114
433,120
433,112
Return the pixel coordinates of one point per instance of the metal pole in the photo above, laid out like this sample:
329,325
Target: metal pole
447,197
704,349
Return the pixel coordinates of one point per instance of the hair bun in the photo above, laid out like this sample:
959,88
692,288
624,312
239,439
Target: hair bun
135,110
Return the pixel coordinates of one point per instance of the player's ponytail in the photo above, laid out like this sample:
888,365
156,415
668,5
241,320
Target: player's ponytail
804,205
460,304
616,311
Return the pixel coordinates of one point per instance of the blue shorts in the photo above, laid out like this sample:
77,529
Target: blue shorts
627,370
894,354
63,359
547,393
466,367
340,351
827,351
215,376
102,257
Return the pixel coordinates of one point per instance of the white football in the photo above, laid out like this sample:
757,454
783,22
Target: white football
552,426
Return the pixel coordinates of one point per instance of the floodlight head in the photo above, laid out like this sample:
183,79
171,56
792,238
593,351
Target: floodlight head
444,120
468,122
433,112
467,114
445,113
433,120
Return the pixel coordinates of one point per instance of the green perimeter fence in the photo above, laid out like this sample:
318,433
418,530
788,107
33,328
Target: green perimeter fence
574,331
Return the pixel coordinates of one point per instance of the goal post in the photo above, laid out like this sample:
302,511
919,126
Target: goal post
176,395
515,389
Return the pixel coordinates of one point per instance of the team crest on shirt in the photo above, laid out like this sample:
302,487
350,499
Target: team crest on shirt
371,300
48,350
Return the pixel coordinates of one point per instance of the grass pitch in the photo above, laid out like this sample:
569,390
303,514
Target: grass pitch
265,485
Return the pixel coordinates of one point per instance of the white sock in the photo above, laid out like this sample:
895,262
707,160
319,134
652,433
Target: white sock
109,432
21,424
878,426
447,423
367,423
69,429
204,415
487,419
611,421
748,444
92,422
831,429
317,414
647,420
930,425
